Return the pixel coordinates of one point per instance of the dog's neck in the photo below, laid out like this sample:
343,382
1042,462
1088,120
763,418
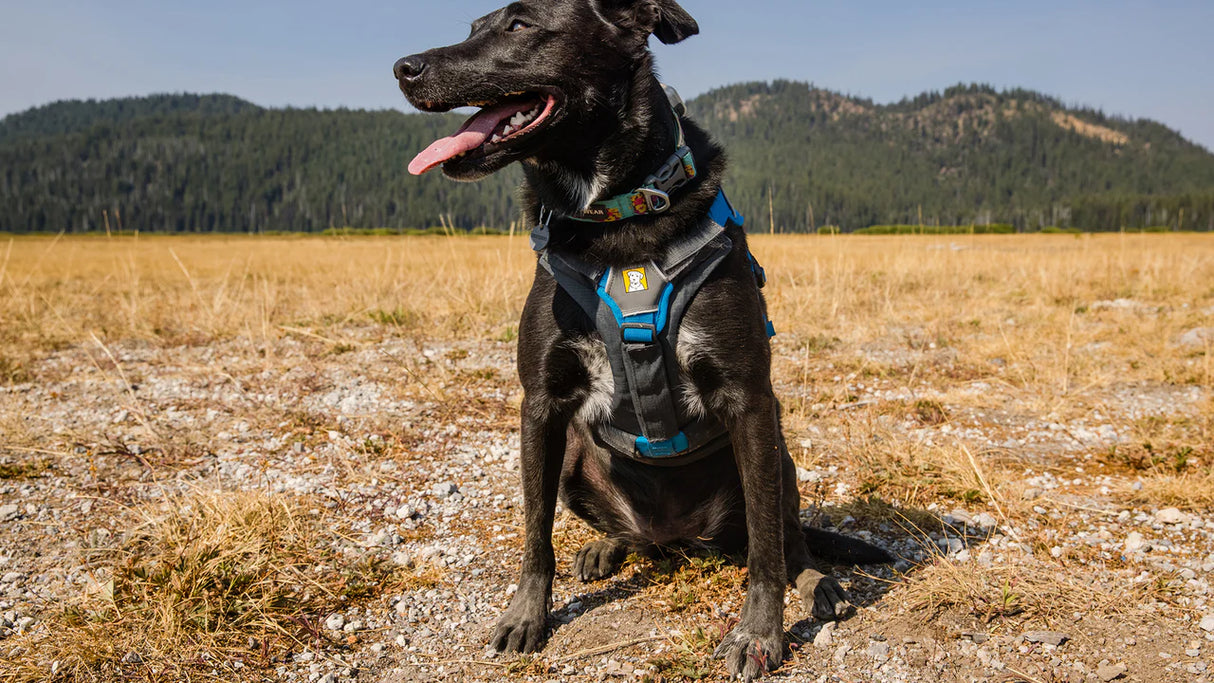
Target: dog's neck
629,149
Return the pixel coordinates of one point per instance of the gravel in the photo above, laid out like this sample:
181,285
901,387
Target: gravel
422,469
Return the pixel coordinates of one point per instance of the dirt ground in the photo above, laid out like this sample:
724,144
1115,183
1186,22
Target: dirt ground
296,460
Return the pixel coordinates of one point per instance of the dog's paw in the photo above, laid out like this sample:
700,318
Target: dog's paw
521,630
599,559
749,654
823,596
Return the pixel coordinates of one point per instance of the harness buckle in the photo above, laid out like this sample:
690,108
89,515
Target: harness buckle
638,333
656,200
672,175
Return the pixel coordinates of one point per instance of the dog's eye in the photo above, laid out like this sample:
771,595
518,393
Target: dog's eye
518,25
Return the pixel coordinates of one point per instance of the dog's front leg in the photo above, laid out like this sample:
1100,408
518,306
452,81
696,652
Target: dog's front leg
524,626
757,643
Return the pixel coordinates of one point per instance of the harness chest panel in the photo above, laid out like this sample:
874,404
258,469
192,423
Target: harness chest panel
637,311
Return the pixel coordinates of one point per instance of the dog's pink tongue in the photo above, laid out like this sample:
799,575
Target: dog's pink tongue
471,135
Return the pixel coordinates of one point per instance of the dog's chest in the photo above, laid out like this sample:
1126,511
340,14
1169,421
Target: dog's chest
599,392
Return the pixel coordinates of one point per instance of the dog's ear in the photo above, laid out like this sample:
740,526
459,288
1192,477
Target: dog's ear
662,18
674,23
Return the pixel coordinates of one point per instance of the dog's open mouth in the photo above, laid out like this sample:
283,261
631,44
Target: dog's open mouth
496,127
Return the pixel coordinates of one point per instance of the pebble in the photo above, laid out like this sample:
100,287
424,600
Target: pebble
825,637
1197,337
335,622
1207,623
1046,637
878,650
1109,672
9,512
1134,542
1171,516
444,490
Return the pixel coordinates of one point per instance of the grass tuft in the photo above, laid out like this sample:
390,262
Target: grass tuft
234,580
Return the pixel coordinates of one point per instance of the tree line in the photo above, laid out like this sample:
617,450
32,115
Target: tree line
802,159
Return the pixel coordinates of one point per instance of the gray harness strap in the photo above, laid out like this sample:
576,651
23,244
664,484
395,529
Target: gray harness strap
637,311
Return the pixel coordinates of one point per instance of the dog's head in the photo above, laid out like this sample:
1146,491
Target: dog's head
543,73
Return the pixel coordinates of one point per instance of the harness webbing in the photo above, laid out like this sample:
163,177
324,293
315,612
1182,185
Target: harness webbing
637,312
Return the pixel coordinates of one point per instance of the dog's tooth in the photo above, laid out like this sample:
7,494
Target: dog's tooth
495,138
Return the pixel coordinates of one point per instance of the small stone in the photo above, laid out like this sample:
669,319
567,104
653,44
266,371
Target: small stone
841,654
335,622
403,558
1171,516
1197,337
9,512
1134,542
1110,672
825,636
978,638
444,490
959,516
378,648
1207,623
132,658
878,650
328,678
353,626
11,577
986,520
405,512
1046,637
804,475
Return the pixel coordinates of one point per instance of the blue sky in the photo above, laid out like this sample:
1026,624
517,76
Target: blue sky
1140,59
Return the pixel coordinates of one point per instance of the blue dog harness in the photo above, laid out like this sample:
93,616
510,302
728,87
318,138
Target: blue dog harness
637,311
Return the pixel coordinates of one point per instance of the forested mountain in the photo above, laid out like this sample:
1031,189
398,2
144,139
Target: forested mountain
969,154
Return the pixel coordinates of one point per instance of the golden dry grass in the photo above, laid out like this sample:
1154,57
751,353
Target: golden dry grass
963,331
211,580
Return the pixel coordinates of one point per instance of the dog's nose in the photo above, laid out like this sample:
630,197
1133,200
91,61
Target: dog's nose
409,68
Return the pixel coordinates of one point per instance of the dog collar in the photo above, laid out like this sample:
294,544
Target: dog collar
653,196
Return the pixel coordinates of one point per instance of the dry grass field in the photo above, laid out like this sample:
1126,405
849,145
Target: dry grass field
237,458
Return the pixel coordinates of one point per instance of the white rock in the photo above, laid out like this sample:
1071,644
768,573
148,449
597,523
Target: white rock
986,520
1171,516
1207,623
825,637
9,513
1198,337
804,475
335,622
959,516
445,489
1134,541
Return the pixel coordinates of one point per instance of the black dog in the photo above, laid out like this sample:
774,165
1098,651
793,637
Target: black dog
567,88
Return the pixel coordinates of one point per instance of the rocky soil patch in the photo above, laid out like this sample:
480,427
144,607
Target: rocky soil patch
1057,567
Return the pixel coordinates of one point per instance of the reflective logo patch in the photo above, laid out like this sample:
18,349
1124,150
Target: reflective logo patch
635,281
